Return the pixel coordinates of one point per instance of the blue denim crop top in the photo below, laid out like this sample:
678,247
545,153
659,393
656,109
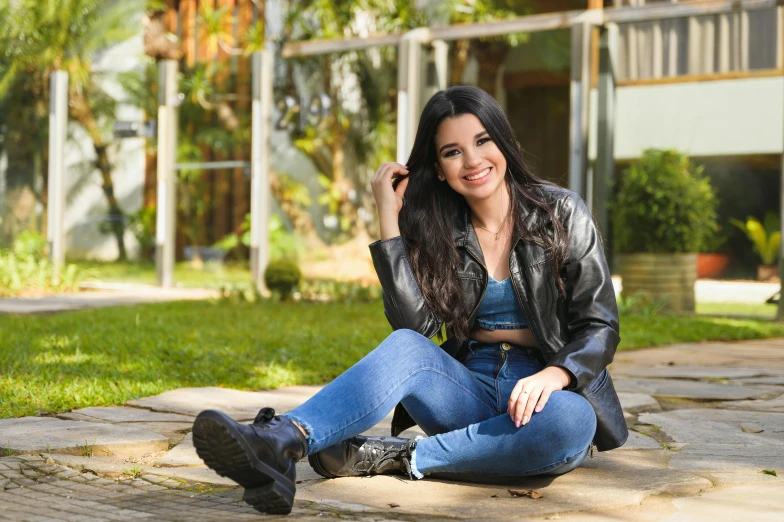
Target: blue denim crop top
499,309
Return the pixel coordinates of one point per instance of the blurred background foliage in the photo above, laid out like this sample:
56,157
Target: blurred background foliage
357,134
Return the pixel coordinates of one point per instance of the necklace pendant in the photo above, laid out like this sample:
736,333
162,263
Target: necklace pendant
496,236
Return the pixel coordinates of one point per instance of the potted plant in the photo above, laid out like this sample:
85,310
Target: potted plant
711,261
766,240
663,214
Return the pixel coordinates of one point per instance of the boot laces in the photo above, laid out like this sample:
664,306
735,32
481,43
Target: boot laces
377,456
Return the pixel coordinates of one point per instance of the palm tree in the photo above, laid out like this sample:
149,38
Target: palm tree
41,36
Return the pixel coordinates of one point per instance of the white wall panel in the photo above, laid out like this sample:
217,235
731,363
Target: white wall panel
715,118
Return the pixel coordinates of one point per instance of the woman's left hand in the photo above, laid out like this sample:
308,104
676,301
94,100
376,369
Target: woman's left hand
531,394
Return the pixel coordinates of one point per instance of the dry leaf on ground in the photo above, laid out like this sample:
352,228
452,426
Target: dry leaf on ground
525,493
750,430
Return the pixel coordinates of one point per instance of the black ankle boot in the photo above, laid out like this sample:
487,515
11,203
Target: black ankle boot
260,457
360,456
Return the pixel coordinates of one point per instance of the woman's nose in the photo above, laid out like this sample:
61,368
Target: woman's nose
471,159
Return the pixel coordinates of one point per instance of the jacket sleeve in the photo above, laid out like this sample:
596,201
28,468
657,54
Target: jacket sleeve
404,304
591,310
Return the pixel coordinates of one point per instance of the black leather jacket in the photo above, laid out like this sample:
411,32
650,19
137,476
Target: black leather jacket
578,333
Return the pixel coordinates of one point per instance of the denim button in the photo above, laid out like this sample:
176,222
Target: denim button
506,346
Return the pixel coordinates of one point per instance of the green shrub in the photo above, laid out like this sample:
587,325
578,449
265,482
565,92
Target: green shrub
765,237
240,293
282,277
641,304
142,226
282,243
25,269
329,290
664,205
29,244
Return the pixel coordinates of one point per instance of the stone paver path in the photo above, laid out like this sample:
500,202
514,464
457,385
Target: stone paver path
706,420
120,295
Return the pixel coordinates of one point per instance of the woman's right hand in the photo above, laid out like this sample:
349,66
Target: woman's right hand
389,199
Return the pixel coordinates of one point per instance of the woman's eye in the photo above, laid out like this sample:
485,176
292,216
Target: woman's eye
449,153
483,141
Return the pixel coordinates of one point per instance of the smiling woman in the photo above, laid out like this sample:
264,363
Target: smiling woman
512,269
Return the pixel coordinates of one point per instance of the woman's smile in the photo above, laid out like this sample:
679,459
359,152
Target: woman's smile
478,177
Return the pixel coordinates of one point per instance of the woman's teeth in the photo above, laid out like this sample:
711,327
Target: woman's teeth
480,175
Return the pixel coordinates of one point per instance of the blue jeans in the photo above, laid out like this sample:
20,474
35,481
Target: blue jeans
460,405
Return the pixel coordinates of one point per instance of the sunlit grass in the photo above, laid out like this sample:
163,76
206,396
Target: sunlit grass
638,332
54,363
212,275
738,309
107,356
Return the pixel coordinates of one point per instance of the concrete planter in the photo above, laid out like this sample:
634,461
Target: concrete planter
666,277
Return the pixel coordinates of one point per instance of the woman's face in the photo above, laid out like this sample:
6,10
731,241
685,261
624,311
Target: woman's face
468,159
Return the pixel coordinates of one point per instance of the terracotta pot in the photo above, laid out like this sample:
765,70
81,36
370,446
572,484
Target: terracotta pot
711,265
666,277
769,273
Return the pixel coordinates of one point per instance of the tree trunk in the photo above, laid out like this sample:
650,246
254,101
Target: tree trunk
490,55
83,114
116,213
459,60
23,138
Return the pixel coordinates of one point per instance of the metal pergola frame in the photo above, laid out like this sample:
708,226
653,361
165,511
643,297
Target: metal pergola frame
592,186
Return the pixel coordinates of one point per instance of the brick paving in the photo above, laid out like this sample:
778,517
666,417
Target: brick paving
36,491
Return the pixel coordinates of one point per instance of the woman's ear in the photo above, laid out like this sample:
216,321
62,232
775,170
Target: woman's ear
440,172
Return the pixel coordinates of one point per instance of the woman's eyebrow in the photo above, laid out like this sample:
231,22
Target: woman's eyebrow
455,144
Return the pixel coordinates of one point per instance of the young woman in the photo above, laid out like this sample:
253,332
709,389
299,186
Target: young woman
512,269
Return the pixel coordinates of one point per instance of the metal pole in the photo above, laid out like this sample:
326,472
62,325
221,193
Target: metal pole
441,59
260,155
579,103
780,311
402,101
167,178
409,89
604,172
58,121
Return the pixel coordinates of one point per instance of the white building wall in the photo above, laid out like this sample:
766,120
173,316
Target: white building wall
714,118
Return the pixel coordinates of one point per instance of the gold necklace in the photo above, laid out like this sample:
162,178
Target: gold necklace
503,224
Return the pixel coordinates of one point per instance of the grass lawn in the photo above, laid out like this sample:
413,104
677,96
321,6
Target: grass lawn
213,275
739,309
54,363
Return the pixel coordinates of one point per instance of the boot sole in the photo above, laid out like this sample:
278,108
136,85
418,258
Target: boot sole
223,449
315,463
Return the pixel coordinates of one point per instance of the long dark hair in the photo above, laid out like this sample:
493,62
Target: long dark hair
431,206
